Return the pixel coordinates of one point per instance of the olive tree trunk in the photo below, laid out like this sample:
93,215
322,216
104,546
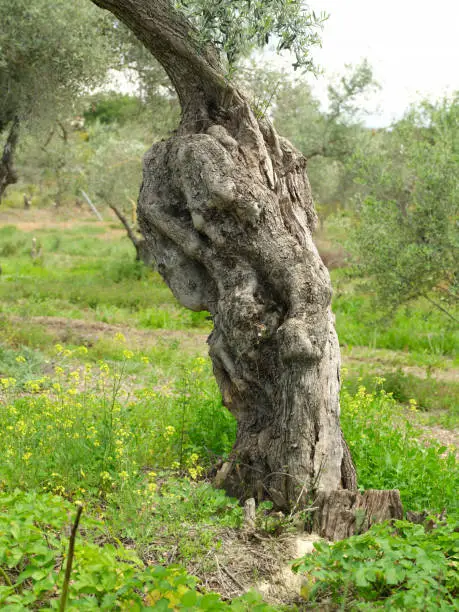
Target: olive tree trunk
226,209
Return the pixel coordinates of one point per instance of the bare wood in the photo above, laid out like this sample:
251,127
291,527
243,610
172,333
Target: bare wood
70,555
143,252
249,514
342,514
130,232
233,578
91,205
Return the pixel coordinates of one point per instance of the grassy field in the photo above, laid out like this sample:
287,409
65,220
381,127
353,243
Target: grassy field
108,399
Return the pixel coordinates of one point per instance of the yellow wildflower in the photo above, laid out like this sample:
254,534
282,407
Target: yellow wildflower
170,431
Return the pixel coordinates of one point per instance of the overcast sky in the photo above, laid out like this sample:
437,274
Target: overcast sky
412,45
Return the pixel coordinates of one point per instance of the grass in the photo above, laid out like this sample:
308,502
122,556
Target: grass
431,394
393,567
82,275
415,329
105,575
136,456
107,399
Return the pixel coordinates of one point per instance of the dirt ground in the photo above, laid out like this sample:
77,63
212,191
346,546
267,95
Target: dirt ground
249,560
78,331
62,218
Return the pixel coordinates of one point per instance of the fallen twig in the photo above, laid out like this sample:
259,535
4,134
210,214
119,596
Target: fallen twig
68,567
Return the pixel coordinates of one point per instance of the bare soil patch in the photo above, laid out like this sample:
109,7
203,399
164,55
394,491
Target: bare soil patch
378,359
446,437
251,561
64,219
78,331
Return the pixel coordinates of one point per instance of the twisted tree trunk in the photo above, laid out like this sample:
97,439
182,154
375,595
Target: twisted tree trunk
229,216
226,209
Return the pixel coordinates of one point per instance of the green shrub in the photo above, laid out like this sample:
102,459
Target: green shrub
125,269
12,242
114,108
414,328
430,393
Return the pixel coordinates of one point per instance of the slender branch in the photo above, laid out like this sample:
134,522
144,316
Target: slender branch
63,130
451,294
446,312
135,241
68,568
48,140
230,575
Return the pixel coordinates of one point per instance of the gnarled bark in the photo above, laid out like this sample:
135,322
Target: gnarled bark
229,217
226,209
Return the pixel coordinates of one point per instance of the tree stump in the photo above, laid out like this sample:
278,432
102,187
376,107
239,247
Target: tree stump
342,513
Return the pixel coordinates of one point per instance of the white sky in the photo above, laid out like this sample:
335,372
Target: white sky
412,45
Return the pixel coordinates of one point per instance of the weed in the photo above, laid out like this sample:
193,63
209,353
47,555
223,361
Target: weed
397,566
389,453
430,394
132,429
104,576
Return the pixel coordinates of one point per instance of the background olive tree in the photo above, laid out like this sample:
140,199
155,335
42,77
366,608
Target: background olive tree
406,236
45,64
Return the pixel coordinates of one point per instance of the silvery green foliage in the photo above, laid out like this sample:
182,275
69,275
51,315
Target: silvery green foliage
327,137
236,27
49,51
407,239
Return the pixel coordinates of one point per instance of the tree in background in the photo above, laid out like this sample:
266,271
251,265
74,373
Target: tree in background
45,63
226,209
406,239
327,138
